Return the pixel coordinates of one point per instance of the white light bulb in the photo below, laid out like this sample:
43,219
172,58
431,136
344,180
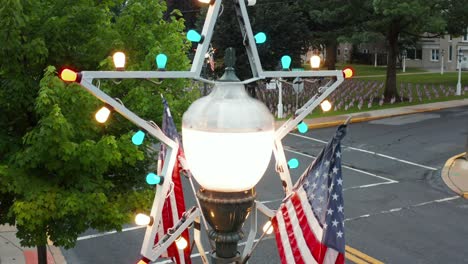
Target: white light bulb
223,127
102,115
181,243
315,61
326,105
268,228
142,219
119,60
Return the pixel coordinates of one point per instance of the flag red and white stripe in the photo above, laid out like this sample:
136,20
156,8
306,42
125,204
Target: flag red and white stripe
309,225
174,205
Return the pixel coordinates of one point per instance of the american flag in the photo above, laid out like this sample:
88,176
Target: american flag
211,61
309,225
174,206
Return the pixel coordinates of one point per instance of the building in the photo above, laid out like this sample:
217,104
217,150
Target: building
436,53
429,53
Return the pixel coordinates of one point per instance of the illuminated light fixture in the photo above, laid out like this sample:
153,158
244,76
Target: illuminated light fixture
68,75
194,36
138,138
207,1
286,62
181,243
260,38
103,114
326,105
153,179
216,131
293,163
161,61
119,60
142,220
268,228
251,2
315,61
302,127
348,72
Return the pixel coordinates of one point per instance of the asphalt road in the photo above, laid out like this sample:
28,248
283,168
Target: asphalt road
397,208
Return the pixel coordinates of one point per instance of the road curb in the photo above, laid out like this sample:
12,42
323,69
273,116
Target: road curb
369,118
446,176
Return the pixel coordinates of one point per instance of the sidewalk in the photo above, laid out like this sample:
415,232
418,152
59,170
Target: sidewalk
11,251
455,174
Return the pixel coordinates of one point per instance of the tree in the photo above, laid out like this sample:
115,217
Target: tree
330,20
283,23
456,15
399,19
60,171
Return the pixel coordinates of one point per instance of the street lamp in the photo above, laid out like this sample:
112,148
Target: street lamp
442,52
228,150
460,56
228,141
404,54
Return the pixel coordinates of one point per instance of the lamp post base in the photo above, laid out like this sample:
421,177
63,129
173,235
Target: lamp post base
226,213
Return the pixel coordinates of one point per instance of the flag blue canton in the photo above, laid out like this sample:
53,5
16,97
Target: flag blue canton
169,128
323,184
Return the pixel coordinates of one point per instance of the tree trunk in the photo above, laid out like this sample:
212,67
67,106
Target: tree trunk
392,41
331,54
42,254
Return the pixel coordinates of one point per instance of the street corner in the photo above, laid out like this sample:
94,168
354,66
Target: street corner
455,174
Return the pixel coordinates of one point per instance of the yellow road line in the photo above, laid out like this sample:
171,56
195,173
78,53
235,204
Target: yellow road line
361,255
355,259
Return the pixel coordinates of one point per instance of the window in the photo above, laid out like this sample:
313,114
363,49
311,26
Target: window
414,54
434,55
365,51
338,52
450,53
450,38
465,36
418,54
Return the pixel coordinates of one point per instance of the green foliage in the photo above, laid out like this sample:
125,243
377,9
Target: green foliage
61,172
283,23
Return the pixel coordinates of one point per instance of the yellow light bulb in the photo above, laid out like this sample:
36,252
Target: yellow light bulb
348,73
326,105
315,61
268,228
69,75
119,60
142,220
181,243
102,115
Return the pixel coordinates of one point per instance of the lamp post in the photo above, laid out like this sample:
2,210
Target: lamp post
460,56
404,60
228,150
442,61
228,140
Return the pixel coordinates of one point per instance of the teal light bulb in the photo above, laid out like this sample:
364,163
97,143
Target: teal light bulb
138,138
194,36
302,127
161,61
260,38
293,163
153,179
286,62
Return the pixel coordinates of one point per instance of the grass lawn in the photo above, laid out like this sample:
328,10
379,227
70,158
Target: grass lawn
448,78
418,85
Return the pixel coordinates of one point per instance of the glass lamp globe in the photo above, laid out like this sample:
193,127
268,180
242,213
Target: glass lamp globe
228,138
